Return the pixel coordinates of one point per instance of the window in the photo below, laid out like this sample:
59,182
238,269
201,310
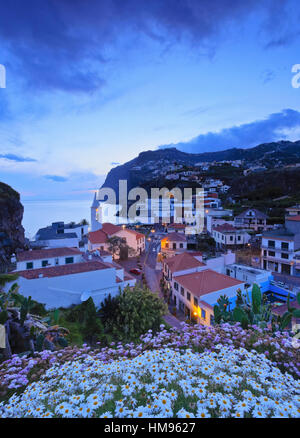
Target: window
239,237
44,263
271,243
188,296
265,252
29,265
195,301
69,260
284,256
57,261
167,245
203,314
175,285
174,245
181,245
271,253
182,291
231,238
284,245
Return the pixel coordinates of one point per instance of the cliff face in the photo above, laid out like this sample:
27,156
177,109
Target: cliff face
11,231
142,169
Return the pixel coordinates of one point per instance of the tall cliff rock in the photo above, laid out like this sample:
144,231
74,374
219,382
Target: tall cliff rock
11,231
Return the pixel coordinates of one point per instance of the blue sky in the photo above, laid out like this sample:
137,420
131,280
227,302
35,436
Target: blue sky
92,84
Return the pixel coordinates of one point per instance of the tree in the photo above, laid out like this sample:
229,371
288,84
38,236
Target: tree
137,311
85,315
84,222
118,247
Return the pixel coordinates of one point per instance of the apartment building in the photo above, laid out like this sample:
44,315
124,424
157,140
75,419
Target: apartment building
280,248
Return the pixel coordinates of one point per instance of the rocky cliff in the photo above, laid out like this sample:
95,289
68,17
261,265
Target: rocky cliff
144,168
11,231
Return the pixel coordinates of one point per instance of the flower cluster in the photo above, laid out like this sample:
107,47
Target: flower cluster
162,383
17,372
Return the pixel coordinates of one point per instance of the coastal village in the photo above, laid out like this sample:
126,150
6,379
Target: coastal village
66,264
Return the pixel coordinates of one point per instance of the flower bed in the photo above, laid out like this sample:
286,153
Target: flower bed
162,383
18,372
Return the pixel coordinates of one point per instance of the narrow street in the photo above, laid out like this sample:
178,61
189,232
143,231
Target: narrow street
153,277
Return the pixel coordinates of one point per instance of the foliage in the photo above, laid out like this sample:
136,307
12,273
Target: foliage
132,313
7,278
278,347
162,383
118,247
255,311
85,316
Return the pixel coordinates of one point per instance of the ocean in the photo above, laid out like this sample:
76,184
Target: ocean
38,214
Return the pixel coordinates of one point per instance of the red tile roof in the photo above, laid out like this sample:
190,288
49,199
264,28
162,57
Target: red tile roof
110,229
225,228
38,254
293,218
177,226
98,237
174,237
205,282
280,310
102,235
212,195
57,271
182,262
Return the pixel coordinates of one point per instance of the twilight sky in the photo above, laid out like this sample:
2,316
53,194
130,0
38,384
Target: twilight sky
90,84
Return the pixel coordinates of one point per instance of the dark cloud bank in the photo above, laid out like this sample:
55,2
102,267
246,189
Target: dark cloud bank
243,136
60,44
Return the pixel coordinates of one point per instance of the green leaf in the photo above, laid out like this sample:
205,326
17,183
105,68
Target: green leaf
240,316
296,313
3,317
256,298
298,298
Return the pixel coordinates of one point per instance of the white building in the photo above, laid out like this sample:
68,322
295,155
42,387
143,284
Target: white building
279,247
59,234
173,243
61,277
227,236
100,239
195,288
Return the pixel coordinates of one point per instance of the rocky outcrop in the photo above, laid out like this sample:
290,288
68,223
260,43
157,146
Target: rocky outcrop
12,236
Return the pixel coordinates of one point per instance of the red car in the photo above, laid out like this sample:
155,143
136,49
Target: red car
135,271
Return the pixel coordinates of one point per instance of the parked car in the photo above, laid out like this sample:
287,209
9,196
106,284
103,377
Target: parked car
135,271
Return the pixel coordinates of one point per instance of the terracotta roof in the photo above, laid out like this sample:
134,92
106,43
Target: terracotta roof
280,310
293,218
98,236
225,228
174,237
110,229
177,226
205,282
57,271
182,262
212,195
38,254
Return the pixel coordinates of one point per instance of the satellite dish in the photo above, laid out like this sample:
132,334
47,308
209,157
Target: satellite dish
85,295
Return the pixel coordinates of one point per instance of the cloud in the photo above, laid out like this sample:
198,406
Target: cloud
273,128
17,158
56,178
65,44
